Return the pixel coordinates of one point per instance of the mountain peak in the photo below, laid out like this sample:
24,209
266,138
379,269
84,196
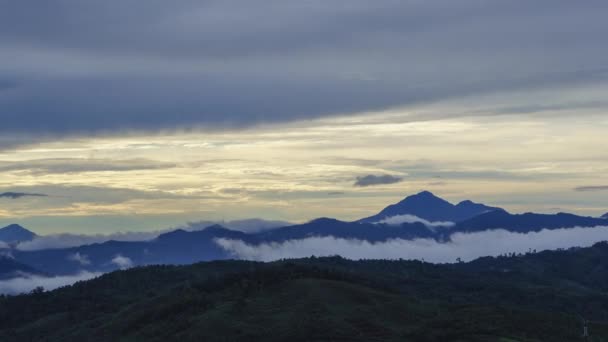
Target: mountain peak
605,216
466,203
15,233
323,220
422,195
428,206
14,226
172,234
215,228
424,198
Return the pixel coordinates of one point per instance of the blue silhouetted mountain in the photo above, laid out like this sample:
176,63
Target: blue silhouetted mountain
427,206
605,216
14,233
186,247
524,223
324,227
10,268
175,247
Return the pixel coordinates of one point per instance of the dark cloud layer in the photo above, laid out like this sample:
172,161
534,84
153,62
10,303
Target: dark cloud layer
71,67
17,195
370,180
592,188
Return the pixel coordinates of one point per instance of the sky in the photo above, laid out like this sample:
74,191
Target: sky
138,116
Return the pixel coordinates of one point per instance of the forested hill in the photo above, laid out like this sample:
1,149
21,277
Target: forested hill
532,297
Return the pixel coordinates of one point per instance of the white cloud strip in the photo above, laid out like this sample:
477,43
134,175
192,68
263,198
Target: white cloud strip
400,219
82,259
27,283
464,246
122,262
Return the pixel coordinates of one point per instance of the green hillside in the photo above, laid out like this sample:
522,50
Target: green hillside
533,297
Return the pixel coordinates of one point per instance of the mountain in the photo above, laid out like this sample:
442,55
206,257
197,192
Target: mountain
323,227
531,297
175,247
605,216
524,223
15,233
247,225
427,206
185,247
10,268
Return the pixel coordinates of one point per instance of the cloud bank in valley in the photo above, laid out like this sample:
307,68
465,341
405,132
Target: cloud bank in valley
82,259
400,219
122,262
27,282
464,246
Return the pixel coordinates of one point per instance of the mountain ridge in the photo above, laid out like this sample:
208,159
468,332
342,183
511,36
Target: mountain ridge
11,268
182,246
428,206
525,223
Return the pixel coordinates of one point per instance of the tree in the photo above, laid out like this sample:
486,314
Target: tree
37,290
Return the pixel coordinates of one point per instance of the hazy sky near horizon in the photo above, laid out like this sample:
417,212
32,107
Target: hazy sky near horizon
132,115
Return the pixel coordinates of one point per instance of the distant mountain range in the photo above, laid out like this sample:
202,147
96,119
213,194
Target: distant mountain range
185,247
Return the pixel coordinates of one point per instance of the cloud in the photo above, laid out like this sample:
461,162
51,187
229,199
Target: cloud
17,195
82,259
56,241
400,219
592,188
464,246
122,262
370,180
27,282
80,165
437,183
188,69
65,194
